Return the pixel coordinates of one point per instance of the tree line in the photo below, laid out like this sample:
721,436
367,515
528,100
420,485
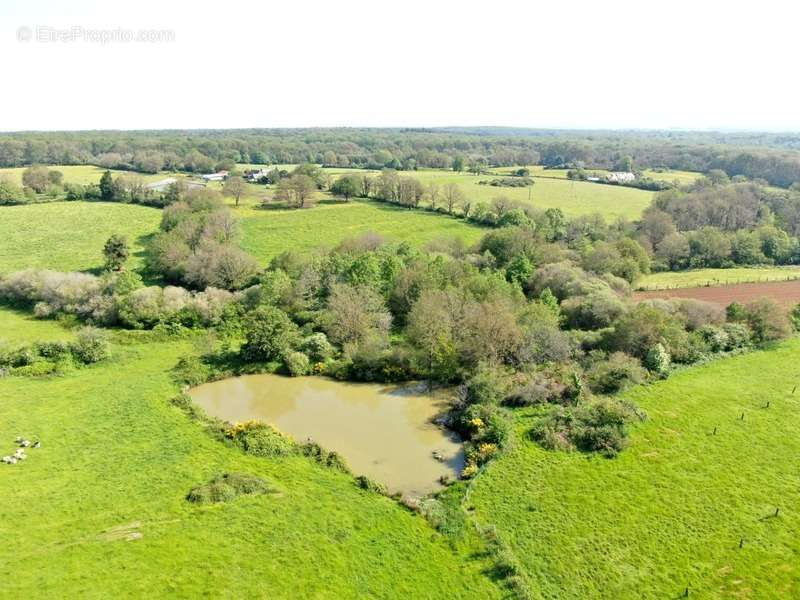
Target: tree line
772,157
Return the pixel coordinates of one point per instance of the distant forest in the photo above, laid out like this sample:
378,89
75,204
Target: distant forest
772,157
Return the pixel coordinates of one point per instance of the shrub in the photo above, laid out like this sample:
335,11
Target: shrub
324,457
739,335
54,350
365,483
260,439
191,371
484,423
297,363
36,369
715,338
657,359
596,426
795,317
317,346
593,311
371,363
767,320
488,385
90,345
269,335
617,372
227,487
696,313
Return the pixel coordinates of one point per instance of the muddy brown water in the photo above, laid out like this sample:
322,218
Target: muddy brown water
383,431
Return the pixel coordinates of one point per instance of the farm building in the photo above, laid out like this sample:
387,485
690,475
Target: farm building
162,184
620,177
218,176
255,174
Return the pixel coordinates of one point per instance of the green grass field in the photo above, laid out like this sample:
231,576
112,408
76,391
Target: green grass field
682,177
700,277
117,459
19,327
267,233
671,510
551,190
44,235
574,198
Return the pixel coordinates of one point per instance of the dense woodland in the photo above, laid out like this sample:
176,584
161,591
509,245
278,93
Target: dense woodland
772,157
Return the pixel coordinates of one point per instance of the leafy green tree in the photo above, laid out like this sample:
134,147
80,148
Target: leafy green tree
234,187
36,178
116,252
347,186
10,192
269,335
107,187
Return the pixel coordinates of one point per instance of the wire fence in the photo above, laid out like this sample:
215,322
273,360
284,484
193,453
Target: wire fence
717,283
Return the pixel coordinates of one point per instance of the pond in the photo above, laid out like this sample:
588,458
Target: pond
383,431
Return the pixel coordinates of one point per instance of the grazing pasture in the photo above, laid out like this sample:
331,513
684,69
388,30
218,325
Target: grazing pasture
574,198
20,327
69,236
268,232
786,293
551,190
707,277
109,486
671,511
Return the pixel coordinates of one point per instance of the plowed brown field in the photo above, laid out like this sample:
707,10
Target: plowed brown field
785,292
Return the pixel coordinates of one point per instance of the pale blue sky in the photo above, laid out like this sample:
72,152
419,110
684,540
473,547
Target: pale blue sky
616,64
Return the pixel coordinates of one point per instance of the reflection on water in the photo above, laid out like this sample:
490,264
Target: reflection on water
383,431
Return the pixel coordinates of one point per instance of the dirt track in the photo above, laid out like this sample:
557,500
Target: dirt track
785,292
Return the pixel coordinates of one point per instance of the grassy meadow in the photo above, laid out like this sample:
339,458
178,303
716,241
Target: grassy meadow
551,190
44,235
671,175
574,198
671,510
21,327
268,232
108,488
700,277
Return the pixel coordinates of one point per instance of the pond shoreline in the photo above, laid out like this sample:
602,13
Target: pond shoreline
391,433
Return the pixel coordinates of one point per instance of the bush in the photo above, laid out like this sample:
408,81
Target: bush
260,439
593,311
190,370
317,347
90,346
297,363
696,313
617,372
484,423
54,350
36,369
269,335
767,320
596,426
488,385
365,483
657,359
324,457
227,487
